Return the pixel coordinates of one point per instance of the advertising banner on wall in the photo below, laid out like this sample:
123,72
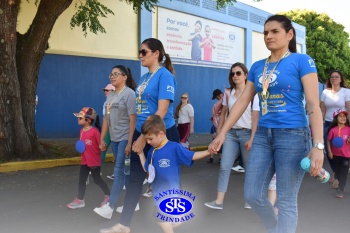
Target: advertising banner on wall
193,40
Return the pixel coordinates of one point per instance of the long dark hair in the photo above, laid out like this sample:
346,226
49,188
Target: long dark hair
287,25
130,82
342,79
245,71
95,121
154,45
177,110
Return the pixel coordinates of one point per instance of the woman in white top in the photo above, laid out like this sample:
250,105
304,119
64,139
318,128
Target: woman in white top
335,96
185,118
239,138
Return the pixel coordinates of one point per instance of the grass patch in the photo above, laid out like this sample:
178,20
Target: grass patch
59,149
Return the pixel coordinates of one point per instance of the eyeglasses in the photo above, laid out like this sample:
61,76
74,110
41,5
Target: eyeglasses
237,73
114,75
143,52
105,90
184,98
335,77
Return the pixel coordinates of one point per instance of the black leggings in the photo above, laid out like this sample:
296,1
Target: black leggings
95,173
341,169
137,176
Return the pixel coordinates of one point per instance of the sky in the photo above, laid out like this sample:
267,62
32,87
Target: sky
338,10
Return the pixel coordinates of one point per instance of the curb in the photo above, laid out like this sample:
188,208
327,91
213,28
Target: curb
49,163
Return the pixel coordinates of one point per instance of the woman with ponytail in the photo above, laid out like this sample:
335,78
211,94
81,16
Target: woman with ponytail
154,96
282,138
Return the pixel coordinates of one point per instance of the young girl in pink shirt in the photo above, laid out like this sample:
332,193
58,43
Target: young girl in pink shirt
88,146
339,147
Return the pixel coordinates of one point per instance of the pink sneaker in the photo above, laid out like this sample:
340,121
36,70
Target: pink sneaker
76,203
105,200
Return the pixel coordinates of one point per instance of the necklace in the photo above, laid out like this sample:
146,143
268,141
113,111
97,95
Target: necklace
266,80
158,147
151,169
109,105
87,128
142,89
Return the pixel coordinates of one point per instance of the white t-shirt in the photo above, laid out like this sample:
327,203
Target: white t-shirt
245,121
185,113
334,101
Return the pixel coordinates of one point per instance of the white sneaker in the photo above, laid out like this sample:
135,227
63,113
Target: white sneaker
145,182
120,208
111,177
124,187
104,211
148,193
238,169
247,206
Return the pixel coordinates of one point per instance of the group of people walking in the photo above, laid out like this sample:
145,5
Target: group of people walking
263,119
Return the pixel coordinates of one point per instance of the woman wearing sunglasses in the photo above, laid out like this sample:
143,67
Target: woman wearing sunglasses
184,114
239,138
154,95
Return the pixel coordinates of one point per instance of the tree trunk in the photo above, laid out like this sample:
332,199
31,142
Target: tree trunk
20,59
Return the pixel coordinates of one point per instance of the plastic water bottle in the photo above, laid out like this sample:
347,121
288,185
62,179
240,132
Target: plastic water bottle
323,175
127,165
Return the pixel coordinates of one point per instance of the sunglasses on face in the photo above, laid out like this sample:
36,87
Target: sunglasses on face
183,97
143,52
237,73
105,90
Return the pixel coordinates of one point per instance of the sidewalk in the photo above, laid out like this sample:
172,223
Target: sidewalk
197,142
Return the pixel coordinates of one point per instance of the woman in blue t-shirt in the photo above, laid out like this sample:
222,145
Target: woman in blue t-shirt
282,138
154,96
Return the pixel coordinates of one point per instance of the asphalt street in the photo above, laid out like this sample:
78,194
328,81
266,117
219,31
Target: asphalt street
35,202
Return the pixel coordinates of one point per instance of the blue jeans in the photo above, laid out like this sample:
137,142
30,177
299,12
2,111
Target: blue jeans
119,177
233,146
280,151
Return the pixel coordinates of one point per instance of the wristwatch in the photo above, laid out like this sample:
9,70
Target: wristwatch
319,145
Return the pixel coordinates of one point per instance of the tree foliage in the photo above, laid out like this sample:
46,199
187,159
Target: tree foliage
326,41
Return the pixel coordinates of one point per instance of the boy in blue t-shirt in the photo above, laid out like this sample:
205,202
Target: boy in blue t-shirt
166,157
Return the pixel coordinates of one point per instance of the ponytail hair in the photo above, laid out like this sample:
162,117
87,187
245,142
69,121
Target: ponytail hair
287,25
154,45
97,123
130,82
168,64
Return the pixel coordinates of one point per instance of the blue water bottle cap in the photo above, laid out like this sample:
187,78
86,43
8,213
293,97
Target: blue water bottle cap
305,164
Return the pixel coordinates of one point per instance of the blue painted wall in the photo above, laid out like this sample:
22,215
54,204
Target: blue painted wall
66,85
69,83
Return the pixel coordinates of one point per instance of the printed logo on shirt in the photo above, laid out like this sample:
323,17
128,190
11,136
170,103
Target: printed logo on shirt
273,79
312,63
170,89
164,163
88,142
